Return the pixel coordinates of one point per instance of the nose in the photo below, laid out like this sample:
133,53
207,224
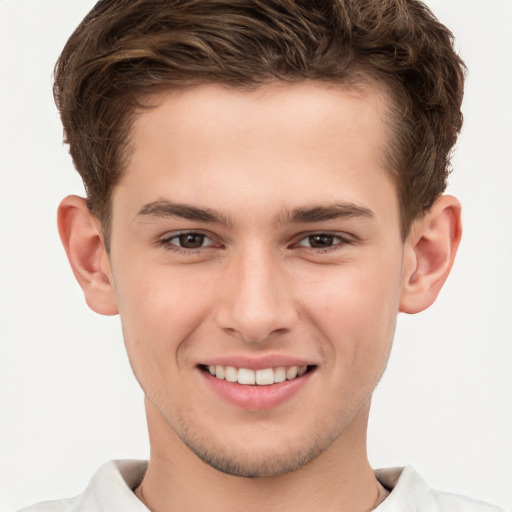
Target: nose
257,298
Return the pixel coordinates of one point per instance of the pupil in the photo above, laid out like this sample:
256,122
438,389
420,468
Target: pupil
321,240
191,240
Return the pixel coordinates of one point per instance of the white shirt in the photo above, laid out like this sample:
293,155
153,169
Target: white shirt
111,490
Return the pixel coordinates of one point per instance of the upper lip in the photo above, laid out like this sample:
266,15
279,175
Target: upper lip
257,362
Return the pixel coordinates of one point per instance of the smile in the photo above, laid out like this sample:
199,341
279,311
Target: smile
262,386
262,377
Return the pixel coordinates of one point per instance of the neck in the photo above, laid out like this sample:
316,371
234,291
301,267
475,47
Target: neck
339,479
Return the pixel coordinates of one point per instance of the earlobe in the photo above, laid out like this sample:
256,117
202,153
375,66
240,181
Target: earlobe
82,239
429,252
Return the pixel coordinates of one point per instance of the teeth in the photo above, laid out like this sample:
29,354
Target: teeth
231,374
264,377
280,374
219,372
291,373
246,376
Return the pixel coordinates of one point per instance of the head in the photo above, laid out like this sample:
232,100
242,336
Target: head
124,51
263,185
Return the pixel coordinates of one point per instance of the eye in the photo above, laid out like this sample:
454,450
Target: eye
323,241
188,240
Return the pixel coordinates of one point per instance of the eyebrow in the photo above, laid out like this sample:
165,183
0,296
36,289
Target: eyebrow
323,213
163,208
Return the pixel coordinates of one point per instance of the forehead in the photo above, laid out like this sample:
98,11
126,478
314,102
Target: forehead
270,107
307,142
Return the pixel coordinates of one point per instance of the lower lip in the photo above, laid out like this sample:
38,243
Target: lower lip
255,397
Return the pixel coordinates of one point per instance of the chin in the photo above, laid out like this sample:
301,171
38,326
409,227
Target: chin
260,461
243,465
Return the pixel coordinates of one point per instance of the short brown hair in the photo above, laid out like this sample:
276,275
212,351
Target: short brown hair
126,49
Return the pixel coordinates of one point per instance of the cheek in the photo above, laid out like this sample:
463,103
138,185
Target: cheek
159,311
355,310
159,318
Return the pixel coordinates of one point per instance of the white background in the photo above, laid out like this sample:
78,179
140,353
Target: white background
68,401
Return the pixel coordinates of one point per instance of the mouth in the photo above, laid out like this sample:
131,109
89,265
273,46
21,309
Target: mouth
261,377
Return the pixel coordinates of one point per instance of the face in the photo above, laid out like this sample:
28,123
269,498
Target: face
256,259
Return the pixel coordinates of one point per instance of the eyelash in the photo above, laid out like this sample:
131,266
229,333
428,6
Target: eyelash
167,243
342,241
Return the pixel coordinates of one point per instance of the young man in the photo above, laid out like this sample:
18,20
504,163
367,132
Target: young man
264,195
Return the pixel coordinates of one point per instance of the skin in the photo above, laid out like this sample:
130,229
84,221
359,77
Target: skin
263,278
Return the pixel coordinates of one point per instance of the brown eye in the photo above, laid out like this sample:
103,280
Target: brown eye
188,240
324,241
321,241
191,240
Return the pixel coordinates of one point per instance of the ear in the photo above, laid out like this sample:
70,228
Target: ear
81,236
429,252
